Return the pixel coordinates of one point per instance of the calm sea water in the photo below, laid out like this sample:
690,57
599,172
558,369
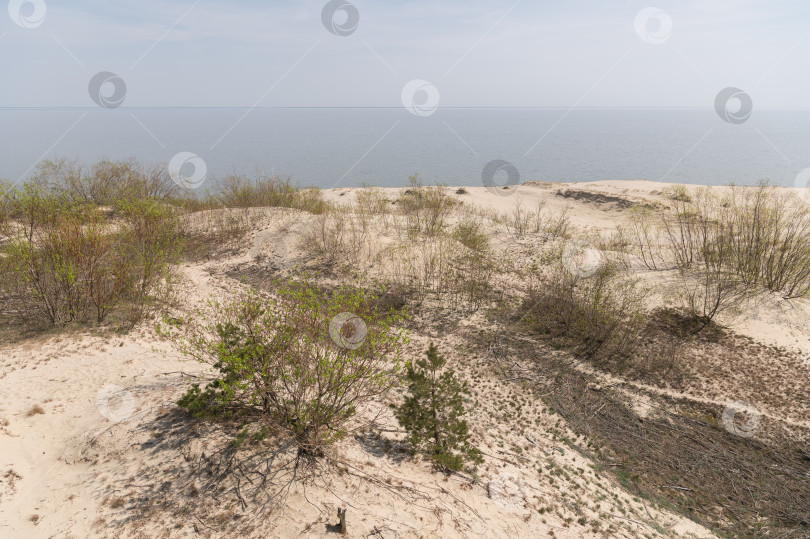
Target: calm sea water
351,147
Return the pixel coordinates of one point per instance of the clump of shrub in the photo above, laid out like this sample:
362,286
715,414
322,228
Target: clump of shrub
432,414
370,203
336,238
548,225
770,239
764,234
273,191
470,234
726,247
601,317
426,208
443,266
64,260
300,359
106,182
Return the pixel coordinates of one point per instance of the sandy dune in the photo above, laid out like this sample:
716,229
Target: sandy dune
92,445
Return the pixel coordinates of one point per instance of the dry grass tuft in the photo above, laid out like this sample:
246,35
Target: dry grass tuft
36,409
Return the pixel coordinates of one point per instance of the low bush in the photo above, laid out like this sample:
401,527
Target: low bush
371,203
727,247
64,260
336,238
770,238
299,359
273,191
149,244
765,234
601,318
444,267
469,232
426,209
546,224
106,182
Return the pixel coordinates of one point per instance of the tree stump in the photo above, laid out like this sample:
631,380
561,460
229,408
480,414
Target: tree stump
342,518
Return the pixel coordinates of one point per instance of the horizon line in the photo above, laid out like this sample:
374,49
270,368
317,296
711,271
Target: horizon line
391,108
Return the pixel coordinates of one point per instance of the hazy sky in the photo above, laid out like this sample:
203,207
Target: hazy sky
498,53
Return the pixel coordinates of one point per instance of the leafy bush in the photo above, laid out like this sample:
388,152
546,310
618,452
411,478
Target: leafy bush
65,261
148,244
298,359
52,260
432,414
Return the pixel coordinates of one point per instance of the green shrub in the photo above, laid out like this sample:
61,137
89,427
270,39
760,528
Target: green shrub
432,414
51,266
64,260
298,360
770,238
148,245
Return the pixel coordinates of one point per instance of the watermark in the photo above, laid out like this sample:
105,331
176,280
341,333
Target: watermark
334,11
100,83
741,419
500,167
653,25
186,160
115,403
581,259
348,330
420,97
27,13
724,105
802,183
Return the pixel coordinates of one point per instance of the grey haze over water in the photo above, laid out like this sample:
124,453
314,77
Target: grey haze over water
343,147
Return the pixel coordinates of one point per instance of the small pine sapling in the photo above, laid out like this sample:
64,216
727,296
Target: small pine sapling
432,414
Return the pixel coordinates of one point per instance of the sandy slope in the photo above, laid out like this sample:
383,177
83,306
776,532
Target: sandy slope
87,475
